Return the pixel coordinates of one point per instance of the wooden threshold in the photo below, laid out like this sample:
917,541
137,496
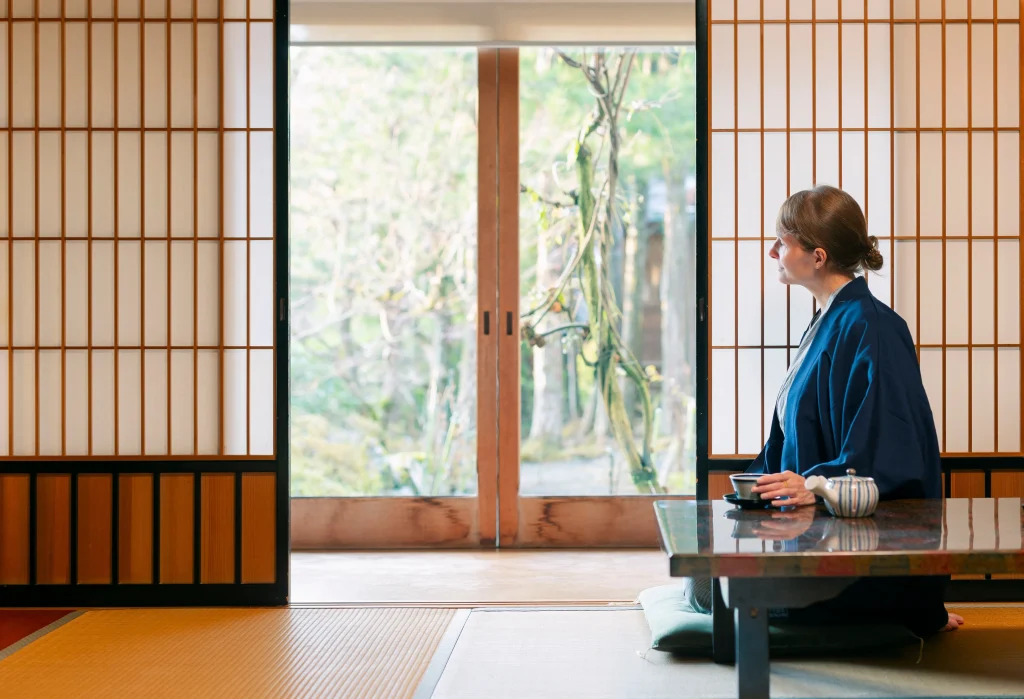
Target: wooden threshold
453,522
591,522
384,523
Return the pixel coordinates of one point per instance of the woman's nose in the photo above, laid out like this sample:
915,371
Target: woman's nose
773,253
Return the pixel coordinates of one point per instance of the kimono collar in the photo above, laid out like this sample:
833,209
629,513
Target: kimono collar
854,289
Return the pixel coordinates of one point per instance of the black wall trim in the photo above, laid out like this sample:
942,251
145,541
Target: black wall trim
703,288
727,465
264,595
281,215
985,591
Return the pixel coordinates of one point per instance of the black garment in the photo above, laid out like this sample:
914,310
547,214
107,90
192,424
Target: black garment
915,602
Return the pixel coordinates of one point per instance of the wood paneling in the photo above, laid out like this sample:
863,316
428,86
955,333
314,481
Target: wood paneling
619,522
1008,484
176,528
509,362
218,523
135,529
14,526
328,523
258,527
967,484
95,505
719,484
53,529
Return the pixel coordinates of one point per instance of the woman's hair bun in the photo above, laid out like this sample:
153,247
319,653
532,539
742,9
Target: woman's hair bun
873,256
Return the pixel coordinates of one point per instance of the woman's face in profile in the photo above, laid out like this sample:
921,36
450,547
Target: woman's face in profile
796,265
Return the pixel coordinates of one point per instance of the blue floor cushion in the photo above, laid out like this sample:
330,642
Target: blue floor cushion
677,628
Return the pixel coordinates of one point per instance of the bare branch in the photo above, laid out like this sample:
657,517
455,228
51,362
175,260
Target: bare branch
567,60
625,82
550,202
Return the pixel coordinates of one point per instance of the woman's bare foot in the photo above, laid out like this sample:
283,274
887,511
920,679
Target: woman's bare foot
954,623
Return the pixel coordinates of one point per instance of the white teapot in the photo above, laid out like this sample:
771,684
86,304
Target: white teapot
846,496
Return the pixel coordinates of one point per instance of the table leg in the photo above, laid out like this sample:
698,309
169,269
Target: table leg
750,599
752,668
723,627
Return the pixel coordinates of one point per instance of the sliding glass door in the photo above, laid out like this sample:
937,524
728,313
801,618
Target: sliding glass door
606,290
493,294
385,287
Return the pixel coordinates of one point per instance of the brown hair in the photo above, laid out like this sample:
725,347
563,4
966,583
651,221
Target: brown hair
828,218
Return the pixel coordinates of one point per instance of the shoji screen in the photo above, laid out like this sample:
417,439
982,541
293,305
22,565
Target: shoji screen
914,108
137,296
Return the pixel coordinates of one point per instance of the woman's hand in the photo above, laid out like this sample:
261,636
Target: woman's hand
786,484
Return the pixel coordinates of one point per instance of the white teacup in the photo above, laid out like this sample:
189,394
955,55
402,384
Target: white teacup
743,483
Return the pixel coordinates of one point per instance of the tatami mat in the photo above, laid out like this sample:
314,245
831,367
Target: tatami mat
352,653
603,654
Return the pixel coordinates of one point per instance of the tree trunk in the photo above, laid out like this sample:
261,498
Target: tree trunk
609,358
548,389
632,301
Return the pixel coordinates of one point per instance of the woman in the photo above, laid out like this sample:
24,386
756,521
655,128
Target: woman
853,396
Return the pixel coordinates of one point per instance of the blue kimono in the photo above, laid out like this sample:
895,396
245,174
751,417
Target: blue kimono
857,401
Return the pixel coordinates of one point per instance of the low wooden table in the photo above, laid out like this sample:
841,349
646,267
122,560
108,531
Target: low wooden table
798,556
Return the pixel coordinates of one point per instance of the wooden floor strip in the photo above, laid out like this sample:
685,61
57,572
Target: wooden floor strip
14,647
440,660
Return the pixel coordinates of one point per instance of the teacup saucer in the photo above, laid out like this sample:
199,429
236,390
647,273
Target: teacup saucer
757,504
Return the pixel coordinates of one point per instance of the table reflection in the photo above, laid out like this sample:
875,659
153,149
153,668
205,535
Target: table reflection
952,525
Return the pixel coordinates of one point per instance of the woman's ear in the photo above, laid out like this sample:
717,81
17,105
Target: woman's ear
820,258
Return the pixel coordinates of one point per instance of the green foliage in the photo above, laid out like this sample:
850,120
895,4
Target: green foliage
383,263
383,251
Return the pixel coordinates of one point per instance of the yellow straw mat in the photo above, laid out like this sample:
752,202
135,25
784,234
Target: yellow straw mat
353,653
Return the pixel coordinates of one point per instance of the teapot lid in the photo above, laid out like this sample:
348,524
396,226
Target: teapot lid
851,475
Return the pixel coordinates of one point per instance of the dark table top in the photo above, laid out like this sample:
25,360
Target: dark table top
903,537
